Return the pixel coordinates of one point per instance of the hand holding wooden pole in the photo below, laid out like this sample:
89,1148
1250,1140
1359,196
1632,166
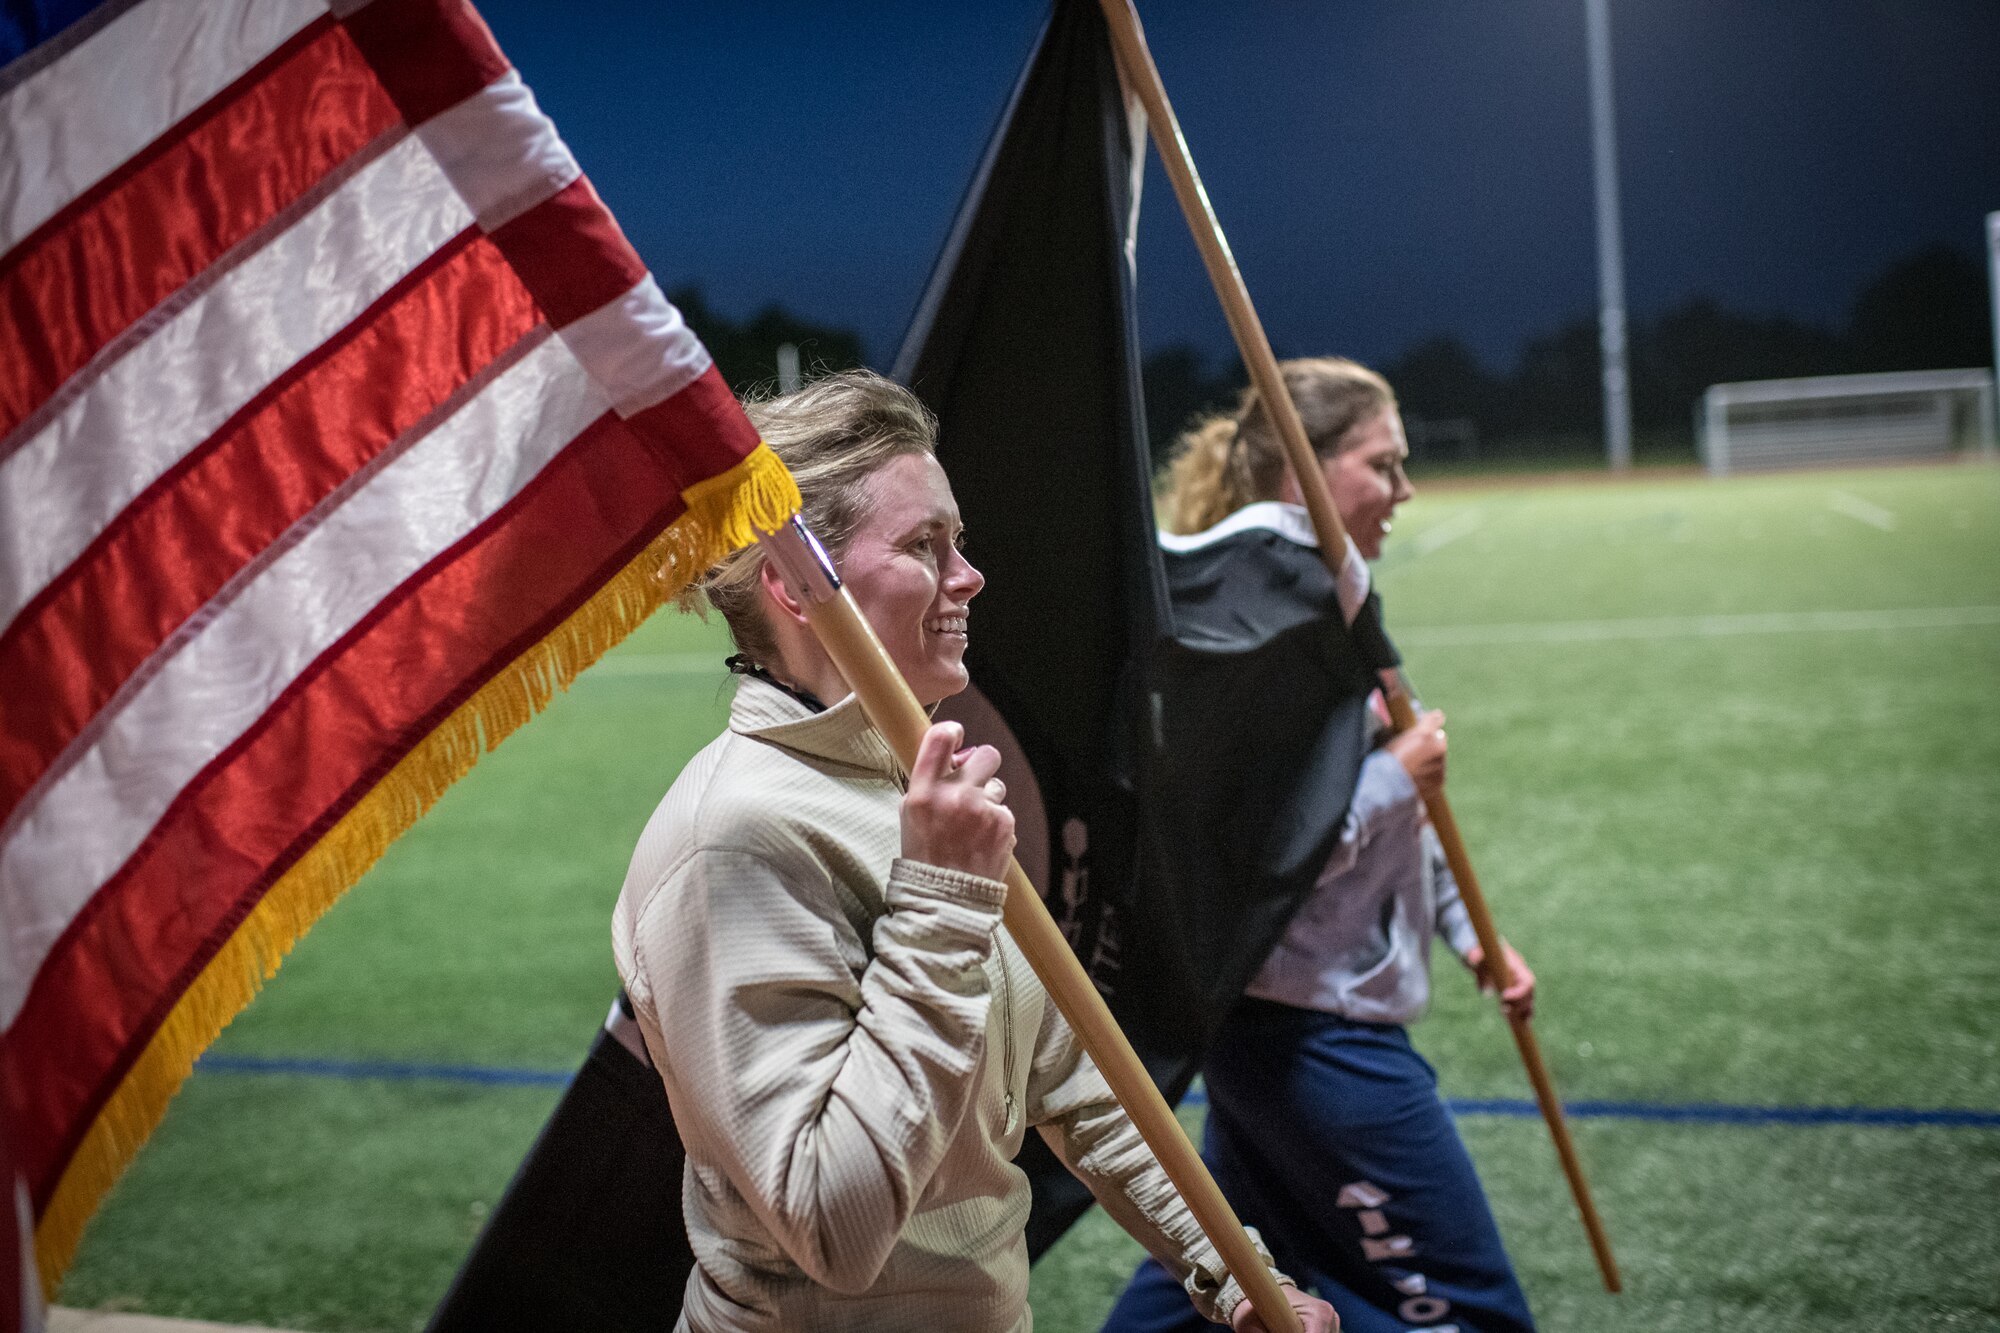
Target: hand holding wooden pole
1143,77
866,667
1403,715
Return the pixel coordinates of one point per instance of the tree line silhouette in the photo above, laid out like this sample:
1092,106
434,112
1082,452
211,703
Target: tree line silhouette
747,353
1927,311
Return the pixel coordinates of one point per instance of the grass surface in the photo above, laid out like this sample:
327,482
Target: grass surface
1748,867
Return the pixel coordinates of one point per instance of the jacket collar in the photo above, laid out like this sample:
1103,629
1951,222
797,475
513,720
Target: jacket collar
841,735
1287,520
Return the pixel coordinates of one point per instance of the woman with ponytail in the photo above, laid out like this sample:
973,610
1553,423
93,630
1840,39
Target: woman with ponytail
1325,1128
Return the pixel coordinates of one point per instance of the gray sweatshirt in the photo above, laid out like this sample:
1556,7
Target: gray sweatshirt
853,1049
1360,944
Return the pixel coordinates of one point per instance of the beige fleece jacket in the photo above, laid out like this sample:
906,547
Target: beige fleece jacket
854,1047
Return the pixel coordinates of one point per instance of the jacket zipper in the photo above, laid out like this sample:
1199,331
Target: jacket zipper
1007,1037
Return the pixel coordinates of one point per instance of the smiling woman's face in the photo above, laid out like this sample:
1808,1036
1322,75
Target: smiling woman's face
905,569
1368,481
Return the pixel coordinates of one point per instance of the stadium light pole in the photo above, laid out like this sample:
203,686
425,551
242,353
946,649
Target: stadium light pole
1610,245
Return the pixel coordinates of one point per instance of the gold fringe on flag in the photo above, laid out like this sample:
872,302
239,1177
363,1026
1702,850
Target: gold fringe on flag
723,513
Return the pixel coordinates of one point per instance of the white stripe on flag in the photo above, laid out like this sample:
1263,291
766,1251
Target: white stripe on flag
174,389
504,156
85,825
70,124
500,151
638,348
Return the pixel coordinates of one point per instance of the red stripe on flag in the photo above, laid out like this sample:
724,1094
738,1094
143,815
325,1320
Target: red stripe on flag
570,253
138,944
698,433
157,223
174,133
177,545
430,54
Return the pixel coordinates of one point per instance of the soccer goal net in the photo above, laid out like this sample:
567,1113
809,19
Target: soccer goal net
1844,418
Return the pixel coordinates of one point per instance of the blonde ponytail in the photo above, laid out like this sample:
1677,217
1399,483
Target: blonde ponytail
1209,477
1225,462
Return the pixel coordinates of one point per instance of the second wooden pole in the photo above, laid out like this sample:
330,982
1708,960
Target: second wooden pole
1135,60
866,667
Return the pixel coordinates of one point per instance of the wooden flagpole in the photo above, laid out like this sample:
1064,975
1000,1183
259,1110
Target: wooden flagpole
866,667
1403,715
1143,77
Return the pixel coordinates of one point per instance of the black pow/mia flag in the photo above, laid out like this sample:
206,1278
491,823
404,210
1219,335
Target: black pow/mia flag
1024,346
1183,728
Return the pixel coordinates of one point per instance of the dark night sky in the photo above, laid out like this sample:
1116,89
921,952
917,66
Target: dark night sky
1386,169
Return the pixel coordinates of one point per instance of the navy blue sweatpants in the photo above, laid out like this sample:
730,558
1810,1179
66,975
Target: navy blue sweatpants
1329,1137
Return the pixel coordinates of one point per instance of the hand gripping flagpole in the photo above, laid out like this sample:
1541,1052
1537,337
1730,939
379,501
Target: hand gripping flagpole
1135,63
1403,715
865,665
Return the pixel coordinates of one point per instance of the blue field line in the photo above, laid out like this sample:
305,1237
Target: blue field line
1722,1113
1717,1113
491,1075
1709,1113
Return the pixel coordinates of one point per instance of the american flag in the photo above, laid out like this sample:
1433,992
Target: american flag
339,425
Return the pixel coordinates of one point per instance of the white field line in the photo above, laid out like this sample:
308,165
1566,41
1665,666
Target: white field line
1455,636
1444,534
1697,627
658,664
1861,511
66,1320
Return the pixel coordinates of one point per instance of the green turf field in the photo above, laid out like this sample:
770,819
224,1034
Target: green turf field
1749,850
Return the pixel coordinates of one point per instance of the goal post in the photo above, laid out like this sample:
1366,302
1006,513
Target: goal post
1831,419
1993,286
